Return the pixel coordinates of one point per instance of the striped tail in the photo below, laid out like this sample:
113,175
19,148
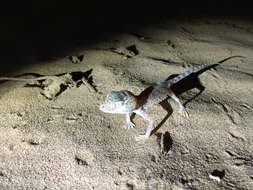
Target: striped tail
198,68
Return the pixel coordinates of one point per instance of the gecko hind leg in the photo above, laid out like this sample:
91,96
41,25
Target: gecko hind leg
182,111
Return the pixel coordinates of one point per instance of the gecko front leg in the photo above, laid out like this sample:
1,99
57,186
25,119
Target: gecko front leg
129,124
143,138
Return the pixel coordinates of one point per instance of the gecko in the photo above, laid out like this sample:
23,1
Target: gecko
125,102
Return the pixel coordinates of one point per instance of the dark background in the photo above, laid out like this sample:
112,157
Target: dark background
44,30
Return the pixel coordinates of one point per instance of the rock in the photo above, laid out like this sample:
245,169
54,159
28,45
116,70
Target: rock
84,157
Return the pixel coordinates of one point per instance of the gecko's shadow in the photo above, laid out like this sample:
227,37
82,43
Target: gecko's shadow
166,106
190,82
187,84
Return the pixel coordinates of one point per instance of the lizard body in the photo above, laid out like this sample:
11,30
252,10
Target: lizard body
125,102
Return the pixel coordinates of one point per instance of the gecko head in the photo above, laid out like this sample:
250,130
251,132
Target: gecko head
118,102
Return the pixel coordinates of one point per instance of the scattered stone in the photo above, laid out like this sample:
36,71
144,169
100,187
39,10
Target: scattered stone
147,172
127,52
130,186
76,59
20,114
154,158
133,49
215,178
141,37
217,175
170,43
56,107
185,150
84,157
246,106
186,180
120,171
53,86
116,183
135,184
1,174
71,118
236,134
211,157
234,116
35,139
229,153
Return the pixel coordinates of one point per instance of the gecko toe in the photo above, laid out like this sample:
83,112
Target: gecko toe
129,125
141,139
184,113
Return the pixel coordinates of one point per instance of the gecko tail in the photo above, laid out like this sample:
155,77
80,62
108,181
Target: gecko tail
199,68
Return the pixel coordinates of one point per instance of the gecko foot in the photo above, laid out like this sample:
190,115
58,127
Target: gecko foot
129,125
184,113
141,139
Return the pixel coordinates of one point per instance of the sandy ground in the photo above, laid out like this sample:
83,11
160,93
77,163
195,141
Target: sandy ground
61,140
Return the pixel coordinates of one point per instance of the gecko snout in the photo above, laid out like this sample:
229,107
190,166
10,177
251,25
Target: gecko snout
102,107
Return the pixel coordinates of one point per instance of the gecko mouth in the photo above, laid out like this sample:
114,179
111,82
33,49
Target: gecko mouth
109,108
106,108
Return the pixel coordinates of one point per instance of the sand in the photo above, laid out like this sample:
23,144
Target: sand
63,141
